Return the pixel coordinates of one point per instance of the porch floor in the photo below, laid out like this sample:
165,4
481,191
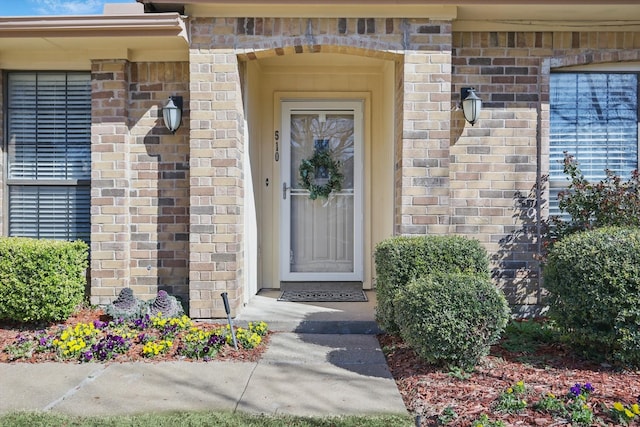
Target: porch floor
310,317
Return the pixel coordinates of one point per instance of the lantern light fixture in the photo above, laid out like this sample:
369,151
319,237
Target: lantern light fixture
471,104
172,113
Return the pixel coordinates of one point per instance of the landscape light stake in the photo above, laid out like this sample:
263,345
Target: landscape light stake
225,300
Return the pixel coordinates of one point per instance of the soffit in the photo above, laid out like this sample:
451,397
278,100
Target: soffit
71,42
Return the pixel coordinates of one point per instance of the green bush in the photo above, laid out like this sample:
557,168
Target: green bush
400,259
593,279
41,280
451,319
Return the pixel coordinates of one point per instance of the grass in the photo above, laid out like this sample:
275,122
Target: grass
196,419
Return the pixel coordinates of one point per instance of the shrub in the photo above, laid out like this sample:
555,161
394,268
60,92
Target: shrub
451,319
593,279
399,260
41,280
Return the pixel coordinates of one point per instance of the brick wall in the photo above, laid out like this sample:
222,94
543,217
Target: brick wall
495,164
140,179
159,192
450,177
217,133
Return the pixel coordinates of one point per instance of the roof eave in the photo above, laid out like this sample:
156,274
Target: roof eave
165,24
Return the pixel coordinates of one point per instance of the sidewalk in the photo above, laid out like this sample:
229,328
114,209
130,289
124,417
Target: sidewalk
303,372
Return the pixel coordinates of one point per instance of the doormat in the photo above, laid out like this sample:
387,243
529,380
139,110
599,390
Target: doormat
323,296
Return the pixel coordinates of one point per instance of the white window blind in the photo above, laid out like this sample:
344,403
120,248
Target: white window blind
49,154
594,117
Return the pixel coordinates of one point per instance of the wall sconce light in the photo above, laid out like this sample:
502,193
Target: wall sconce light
172,113
471,104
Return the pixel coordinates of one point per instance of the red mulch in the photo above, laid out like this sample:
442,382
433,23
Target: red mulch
9,331
427,391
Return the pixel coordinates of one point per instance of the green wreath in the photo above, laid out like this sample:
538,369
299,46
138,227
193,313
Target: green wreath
321,159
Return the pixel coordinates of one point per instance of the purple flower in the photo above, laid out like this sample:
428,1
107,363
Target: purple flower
21,339
588,388
98,324
87,356
214,340
575,390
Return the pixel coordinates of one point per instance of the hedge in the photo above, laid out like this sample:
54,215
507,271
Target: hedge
41,280
593,279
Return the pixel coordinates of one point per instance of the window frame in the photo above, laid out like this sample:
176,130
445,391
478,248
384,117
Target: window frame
10,182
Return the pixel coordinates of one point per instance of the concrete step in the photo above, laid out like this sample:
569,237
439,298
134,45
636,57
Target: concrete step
311,317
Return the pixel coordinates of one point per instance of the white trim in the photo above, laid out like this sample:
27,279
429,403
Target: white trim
318,106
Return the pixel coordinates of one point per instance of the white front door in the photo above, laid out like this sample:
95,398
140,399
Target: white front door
321,239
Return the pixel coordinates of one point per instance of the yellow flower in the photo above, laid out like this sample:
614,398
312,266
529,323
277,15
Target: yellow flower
635,408
509,390
551,395
520,383
629,414
618,406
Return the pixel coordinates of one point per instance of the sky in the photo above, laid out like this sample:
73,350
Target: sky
54,7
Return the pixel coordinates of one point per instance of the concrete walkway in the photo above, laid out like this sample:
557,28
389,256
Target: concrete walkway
323,360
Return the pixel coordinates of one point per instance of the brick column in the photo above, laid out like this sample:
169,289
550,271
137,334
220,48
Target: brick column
3,221
422,166
216,182
110,238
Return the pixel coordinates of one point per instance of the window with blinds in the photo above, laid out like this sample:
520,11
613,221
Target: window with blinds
594,117
49,154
